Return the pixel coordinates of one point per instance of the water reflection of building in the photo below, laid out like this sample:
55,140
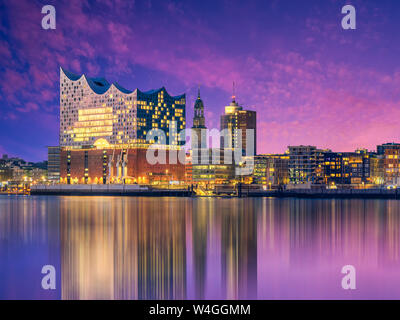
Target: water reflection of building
128,248
29,239
303,244
162,250
239,249
112,250
223,258
200,230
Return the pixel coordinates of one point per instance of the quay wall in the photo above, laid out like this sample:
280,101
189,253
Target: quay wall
107,190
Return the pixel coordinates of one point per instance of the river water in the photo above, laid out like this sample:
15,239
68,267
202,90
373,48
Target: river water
198,248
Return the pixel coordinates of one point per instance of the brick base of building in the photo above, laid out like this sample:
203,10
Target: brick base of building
92,166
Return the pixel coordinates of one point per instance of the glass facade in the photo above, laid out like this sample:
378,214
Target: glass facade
95,113
53,164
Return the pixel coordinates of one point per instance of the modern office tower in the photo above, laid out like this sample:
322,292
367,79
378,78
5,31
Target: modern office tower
271,170
199,134
103,131
236,118
53,164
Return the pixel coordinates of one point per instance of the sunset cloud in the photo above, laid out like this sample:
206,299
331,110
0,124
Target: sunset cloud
309,81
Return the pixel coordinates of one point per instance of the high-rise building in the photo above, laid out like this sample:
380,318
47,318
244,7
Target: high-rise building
104,129
235,118
53,164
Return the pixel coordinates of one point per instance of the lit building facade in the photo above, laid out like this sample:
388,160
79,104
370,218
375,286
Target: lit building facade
360,164
271,169
104,165
235,118
92,109
380,149
213,170
103,130
347,168
5,171
391,164
208,165
377,174
305,164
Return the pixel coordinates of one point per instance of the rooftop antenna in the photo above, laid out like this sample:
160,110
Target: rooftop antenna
198,92
233,92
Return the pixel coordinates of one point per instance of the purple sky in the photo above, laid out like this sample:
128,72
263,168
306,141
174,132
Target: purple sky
310,81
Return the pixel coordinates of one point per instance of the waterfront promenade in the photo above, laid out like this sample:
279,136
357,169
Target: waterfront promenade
219,191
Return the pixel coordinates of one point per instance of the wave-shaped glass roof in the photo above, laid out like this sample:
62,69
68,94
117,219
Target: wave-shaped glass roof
101,85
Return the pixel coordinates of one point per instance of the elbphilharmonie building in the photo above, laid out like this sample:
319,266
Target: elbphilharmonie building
103,130
93,111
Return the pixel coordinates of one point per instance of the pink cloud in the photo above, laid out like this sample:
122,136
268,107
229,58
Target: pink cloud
28,107
300,98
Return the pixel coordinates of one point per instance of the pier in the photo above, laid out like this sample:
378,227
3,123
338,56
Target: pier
109,190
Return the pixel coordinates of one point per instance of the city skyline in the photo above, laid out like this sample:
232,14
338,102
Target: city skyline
310,81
